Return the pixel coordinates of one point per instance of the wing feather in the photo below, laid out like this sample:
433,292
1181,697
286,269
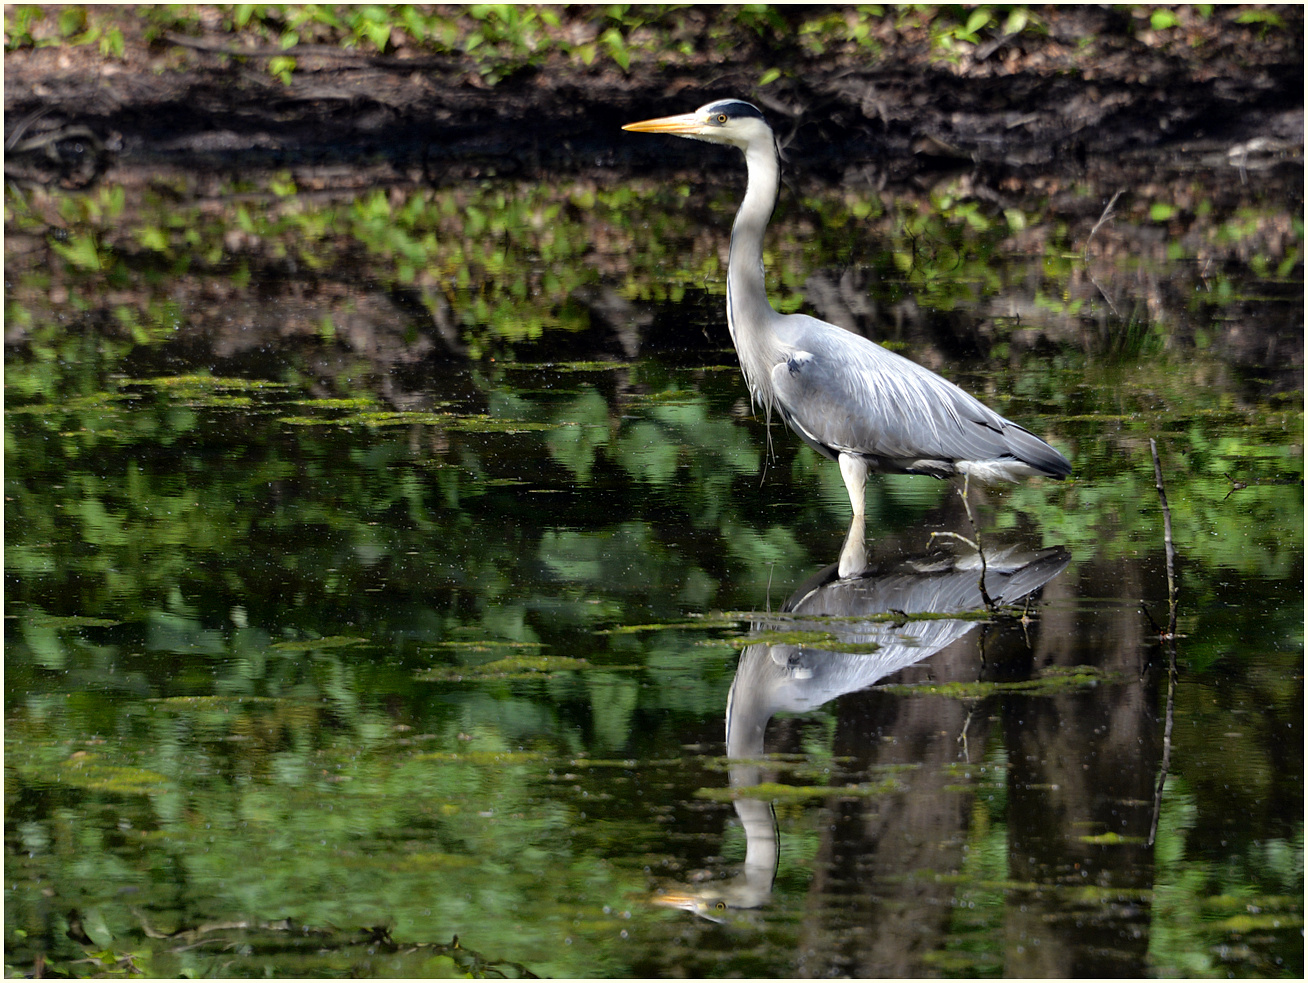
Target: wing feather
845,394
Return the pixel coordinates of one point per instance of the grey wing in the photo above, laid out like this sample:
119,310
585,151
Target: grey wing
845,394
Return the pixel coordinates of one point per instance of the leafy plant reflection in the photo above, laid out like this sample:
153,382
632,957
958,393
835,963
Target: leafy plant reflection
327,585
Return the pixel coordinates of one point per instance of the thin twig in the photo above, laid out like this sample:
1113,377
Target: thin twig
951,535
22,126
1107,213
1167,541
962,734
1167,740
1170,638
1026,619
975,544
1235,486
1158,629
1085,253
980,549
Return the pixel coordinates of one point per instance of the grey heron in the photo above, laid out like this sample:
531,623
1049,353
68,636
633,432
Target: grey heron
848,398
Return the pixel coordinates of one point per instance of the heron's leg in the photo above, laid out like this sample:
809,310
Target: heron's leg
854,471
853,555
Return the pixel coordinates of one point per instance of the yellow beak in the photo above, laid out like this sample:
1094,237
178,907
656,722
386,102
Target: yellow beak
683,125
713,911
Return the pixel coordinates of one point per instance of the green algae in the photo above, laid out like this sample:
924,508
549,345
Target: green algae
40,619
579,366
226,703
1241,924
356,403
210,392
608,763
709,621
464,423
206,383
669,397
1112,839
510,667
798,764
102,402
825,640
777,792
316,644
85,770
1050,682
497,758
1087,894
486,645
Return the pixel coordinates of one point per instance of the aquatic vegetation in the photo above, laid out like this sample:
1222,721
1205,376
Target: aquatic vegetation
318,644
509,667
1052,681
807,639
775,792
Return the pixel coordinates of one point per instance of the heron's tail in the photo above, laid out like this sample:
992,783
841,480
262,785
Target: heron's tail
1035,453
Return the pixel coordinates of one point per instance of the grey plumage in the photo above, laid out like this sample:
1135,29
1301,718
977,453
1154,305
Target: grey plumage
847,397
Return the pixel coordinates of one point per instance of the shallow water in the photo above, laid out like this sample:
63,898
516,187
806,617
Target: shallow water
379,566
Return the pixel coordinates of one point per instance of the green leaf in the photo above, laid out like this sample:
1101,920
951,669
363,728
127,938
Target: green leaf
153,238
111,45
1160,211
617,47
71,20
80,251
1266,17
379,34
282,66
97,929
1162,20
979,19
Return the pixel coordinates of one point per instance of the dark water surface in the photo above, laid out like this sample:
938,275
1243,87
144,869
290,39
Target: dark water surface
381,567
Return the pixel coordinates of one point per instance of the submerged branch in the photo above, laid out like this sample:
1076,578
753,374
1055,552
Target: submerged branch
976,544
1167,541
980,549
1170,637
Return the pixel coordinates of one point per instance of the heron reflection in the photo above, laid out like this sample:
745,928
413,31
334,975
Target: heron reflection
792,677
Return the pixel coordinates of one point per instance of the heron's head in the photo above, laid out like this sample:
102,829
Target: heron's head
729,904
729,121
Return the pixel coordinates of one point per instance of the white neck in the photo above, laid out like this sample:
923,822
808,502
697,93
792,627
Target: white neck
749,315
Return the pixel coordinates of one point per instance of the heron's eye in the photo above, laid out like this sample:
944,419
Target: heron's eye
721,905
722,118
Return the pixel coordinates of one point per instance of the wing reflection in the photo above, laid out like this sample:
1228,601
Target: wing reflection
794,677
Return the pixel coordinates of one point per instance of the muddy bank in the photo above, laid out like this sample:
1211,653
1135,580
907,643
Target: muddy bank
1093,82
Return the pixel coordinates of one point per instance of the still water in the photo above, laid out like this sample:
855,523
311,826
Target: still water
394,566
